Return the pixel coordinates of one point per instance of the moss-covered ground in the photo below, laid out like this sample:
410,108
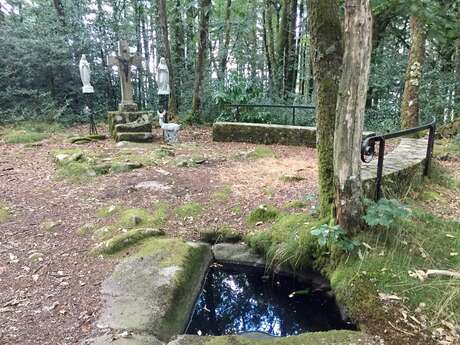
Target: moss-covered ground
383,283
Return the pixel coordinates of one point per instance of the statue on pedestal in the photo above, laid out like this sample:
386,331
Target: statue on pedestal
85,75
163,87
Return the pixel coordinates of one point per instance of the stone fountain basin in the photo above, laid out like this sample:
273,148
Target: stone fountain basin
150,296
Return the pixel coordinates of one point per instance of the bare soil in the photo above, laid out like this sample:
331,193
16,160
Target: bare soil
55,299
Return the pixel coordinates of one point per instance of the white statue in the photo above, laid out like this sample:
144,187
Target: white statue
170,130
85,75
163,78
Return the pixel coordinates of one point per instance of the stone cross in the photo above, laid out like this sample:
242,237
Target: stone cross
124,60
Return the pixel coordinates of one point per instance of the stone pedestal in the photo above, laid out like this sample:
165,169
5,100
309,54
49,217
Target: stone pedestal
133,126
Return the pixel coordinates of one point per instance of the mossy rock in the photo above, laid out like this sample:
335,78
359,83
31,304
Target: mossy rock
108,211
224,234
154,291
139,217
50,226
125,240
292,178
263,213
87,139
449,130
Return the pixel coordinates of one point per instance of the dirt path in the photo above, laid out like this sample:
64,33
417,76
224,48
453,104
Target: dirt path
50,285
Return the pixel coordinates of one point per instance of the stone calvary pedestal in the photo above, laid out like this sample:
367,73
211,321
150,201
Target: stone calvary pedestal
128,123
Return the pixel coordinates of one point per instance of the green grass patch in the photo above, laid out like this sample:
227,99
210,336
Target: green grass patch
420,243
24,137
4,212
260,152
288,241
191,209
222,194
263,213
295,205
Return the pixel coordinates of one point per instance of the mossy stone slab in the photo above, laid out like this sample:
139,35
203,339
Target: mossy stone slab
154,291
317,338
264,134
136,137
130,340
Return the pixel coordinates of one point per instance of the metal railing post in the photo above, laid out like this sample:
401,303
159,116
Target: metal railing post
378,182
429,150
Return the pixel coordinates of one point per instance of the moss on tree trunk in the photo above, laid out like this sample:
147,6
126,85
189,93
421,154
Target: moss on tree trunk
326,45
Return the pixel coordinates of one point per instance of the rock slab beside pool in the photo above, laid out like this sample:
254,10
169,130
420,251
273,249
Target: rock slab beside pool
149,297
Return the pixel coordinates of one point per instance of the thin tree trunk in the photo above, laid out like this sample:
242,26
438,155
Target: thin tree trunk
267,51
351,105
190,35
223,51
166,52
197,102
281,46
410,100
59,7
291,51
326,50
145,41
457,81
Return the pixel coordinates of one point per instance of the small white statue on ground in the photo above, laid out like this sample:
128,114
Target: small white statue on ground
85,75
170,130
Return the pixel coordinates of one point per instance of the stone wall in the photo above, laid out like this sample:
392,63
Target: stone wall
264,134
401,169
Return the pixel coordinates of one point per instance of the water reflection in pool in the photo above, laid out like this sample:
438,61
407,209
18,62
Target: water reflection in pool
238,299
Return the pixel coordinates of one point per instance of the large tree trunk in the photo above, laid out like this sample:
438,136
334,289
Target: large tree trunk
205,8
410,101
223,51
166,52
326,51
179,59
350,113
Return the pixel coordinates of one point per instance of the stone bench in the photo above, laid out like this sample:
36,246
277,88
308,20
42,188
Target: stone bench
401,169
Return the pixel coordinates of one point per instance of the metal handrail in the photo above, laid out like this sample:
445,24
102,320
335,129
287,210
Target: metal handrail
294,107
368,150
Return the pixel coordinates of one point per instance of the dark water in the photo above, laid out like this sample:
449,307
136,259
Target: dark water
238,299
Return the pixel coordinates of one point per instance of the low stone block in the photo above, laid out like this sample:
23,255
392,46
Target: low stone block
264,134
122,117
135,137
134,127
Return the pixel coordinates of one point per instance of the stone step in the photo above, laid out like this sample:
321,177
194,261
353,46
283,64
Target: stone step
137,137
134,127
